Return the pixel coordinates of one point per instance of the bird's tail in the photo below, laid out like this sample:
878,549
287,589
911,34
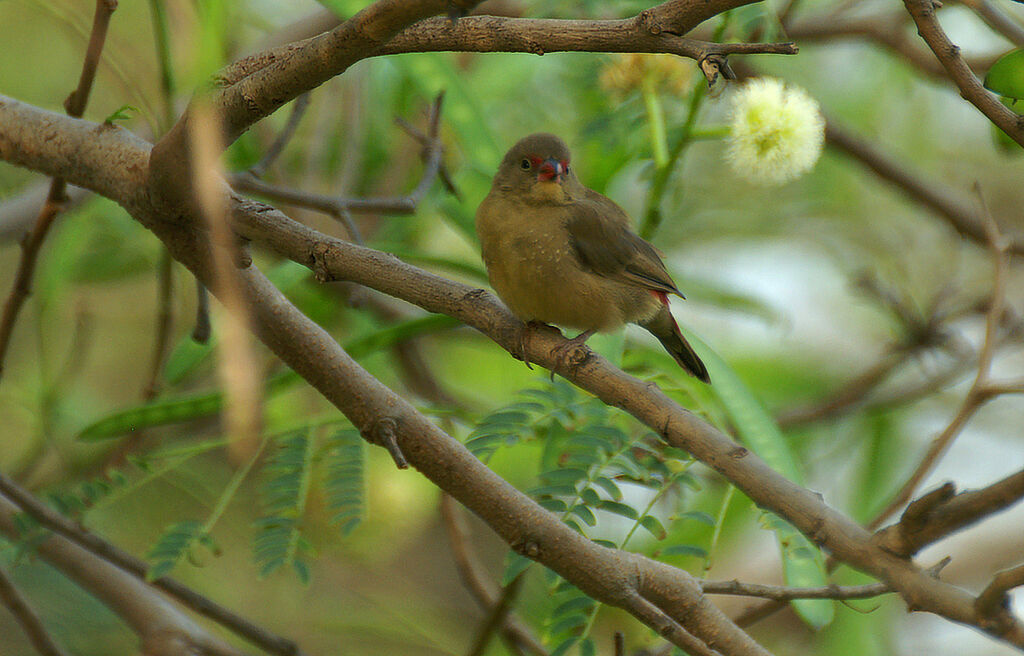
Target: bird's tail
663,326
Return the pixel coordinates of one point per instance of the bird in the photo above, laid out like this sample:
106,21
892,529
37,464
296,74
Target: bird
560,253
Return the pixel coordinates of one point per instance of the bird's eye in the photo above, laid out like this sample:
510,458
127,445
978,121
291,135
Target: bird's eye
525,164
567,169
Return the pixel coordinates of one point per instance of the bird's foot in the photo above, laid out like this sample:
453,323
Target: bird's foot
573,352
525,334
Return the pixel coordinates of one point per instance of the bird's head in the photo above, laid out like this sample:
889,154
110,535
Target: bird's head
536,169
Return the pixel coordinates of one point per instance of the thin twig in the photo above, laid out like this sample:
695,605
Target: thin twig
886,30
56,199
27,618
496,617
164,324
999,21
341,208
950,515
469,571
952,207
975,397
94,544
277,147
783,593
993,598
203,328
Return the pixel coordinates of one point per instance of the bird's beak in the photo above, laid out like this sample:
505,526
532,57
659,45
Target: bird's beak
550,170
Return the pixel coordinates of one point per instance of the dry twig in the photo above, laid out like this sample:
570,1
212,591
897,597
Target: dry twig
56,199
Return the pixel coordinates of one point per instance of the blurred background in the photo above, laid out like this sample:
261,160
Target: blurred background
799,288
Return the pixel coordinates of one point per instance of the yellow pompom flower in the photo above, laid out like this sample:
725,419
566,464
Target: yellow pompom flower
777,132
626,72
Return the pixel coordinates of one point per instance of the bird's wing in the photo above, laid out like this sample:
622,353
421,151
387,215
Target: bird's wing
606,246
609,208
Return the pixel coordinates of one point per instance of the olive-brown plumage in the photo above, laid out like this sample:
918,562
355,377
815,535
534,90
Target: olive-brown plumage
558,252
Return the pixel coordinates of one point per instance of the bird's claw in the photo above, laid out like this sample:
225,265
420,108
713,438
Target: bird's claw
572,352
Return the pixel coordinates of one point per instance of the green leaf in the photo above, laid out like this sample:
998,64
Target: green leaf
344,484
171,411
173,546
609,486
515,565
122,113
284,493
585,514
684,550
1006,75
619,509
699,516
562,476
651,523
162,412
760,432
1003,141
572,623
565,646
581,603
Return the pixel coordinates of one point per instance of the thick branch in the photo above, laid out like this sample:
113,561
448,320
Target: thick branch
654,30
617,578
951,514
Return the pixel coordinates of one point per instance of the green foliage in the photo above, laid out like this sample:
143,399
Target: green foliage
605,476
344,486
162,412
803,564
1006,75
178,541
570,621
122,113
285,489
171,411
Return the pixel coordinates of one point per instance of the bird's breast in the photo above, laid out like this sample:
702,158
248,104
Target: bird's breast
534,269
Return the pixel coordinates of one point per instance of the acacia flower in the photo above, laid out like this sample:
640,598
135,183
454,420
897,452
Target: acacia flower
777,132
626,72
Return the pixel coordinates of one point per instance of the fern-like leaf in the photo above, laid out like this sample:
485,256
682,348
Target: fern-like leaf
279,541
343,480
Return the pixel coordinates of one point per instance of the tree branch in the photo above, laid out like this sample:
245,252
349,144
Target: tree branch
77,540
27,618
948,54
783,593
976,395
473,579
657,30
337,206
954,208
163,629
56,199
950,514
